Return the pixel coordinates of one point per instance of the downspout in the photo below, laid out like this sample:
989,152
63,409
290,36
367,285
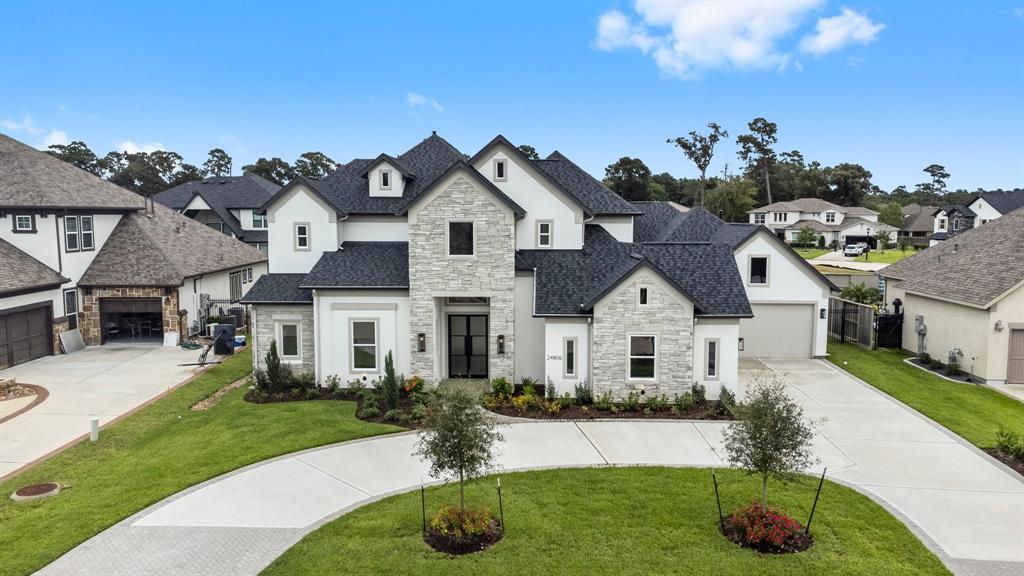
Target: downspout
56,229
316,338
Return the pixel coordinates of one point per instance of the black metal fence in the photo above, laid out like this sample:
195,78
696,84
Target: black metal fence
889,330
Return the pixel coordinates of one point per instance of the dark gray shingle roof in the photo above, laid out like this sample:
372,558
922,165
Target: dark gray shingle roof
362,265
222,194
20,272
280,289
32,178
595,198
163,250
1005,202
569,281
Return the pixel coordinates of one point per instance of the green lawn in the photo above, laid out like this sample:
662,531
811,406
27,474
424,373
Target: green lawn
811,253
890,256
156,452
611,521
973,412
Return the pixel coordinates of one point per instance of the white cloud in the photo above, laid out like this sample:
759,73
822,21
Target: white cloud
55,138
685,38
415,100
134,148
24,125
837,32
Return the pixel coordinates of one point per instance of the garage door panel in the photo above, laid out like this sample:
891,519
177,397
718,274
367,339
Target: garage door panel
25,335
778,331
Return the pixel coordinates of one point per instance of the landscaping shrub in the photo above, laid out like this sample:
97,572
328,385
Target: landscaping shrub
333,384
520,403
699,393
632,402
501,388
392,415
277,376
418,411
657,403
565,400
529,387
766,530
683,402
304,381
953,369
356,386
1009,442
461,531
413,385
553,407
925,358
549,391
369,411
726,402
584,393
388,386
604,402
489,401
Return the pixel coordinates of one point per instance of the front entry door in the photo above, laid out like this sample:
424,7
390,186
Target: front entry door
467,346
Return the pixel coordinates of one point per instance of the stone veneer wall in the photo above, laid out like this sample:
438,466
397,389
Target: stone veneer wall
491,272
263,320
90,324
618,316
60,324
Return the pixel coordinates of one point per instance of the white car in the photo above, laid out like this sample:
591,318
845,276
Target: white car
853,250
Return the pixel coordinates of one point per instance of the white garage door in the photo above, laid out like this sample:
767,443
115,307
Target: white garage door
778,331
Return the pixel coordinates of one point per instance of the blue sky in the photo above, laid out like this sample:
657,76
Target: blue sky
893,86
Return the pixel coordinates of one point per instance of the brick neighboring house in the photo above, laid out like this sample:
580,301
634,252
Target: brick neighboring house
948,221
228,204
499,265
81,253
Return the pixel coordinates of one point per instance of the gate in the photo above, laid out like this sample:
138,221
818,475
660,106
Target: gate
889,330
850,322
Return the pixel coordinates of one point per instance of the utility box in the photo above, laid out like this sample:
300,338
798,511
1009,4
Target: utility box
224,339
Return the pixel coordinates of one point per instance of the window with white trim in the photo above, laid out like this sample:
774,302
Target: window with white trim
460,239
301,236
830,217
259,220
942,223
364,345
71,307
711,346
87,236
758,270
643,297
544,233
500,170
569,357
385,179
289,332
71,234
780,216
25,223
642,357
759,218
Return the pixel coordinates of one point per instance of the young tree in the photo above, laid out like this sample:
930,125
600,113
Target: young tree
457,439
883,238
388,389
861,293
773,438
700,148
315,165
218,163
756,149
278,375
891,213
806,236
629,177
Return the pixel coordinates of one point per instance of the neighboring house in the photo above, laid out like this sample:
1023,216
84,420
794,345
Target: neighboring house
498,265
949,221
991,205
840,224
968,294
918,225
228,204
79,252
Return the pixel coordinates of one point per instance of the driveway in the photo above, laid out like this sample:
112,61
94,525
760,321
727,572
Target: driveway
964,506
837,260
100,381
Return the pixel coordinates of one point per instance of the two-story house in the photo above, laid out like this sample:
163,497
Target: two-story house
228,204
948,221
499,265
918,225
77,252
988,206
841,225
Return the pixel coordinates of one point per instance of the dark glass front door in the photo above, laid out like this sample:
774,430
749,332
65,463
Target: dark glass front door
467,346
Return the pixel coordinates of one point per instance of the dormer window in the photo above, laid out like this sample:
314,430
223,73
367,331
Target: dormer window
259,221
830,217
302,236
500,170
24,224
385,179
942,223
544,233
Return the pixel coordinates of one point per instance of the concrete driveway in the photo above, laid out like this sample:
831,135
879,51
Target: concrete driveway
101,381
968,509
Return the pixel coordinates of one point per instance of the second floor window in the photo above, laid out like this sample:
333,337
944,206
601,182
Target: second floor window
780,216
500,168
24,223
385,179
78,233
302,236
759,218
942,223
259,220
759,270
87,234
460,239
544,234
830,217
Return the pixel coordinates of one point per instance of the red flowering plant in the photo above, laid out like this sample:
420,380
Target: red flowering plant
765,530
413,384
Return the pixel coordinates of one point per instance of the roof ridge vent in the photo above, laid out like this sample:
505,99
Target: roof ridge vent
636,256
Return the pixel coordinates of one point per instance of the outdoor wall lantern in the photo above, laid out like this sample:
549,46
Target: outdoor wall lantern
421,342
999,325
823,313
741,344
501,343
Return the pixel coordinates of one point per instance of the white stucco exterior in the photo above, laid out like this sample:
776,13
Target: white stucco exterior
373,229
556,332
620,227
334,311
984,210
530,332
726,331
300,206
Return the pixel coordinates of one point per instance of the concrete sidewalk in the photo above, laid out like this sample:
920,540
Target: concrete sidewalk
100,381
837,260
967,508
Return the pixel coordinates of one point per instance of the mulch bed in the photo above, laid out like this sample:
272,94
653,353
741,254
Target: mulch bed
459,546
964,377
795,543
36,489
12,391
707,411
405,403
1007,459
